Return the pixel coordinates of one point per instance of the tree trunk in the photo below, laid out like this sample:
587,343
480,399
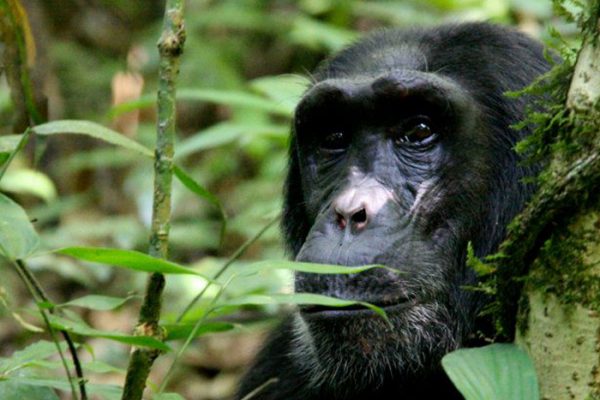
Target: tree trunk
559,315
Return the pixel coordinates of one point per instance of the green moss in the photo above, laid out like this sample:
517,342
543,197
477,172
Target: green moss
564,269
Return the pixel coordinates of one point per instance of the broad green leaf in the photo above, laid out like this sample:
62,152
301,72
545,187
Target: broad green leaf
305,267
129,259
299,299
17,390
94,130
227,132
96,302
226,97
182,331
18,239
29,181
233,98
8,143
34,352
106,392
81,329
494,372
318,35
285,89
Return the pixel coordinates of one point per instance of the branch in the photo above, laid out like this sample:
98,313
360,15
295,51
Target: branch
170,47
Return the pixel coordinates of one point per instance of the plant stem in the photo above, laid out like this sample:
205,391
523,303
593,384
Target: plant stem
170,47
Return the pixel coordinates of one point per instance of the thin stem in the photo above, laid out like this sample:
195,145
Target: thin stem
238,253
191,336
38,296
170,47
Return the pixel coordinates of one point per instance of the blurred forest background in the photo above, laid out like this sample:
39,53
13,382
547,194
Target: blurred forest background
245,64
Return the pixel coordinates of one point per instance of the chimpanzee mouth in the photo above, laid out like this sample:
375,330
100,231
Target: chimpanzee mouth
321,311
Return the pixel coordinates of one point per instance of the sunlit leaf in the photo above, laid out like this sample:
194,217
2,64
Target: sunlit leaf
29,181
94,130
96,302
494,372
18,239
84,330
9,143
129,259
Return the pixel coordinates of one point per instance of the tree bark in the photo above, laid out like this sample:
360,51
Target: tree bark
559,315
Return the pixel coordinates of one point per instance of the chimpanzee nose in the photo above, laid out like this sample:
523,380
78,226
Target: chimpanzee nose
357,218
360,202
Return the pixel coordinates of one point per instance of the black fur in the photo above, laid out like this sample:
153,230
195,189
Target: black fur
465,186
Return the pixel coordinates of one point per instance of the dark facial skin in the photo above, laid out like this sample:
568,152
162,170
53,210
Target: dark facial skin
401,154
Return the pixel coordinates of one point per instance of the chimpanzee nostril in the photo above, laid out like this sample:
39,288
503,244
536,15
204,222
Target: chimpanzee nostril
359,217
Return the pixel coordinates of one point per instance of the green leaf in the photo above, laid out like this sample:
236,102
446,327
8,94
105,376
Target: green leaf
17,390
226,97
227,132
29,181
106,392
22,358
494,372
195,187
182,331
96,302
298,299
306,267
8,143
233,98
285,89
18,239
81,329
317,35
201,191
94,130
129,259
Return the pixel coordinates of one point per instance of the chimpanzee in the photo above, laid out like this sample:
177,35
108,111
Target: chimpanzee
402,153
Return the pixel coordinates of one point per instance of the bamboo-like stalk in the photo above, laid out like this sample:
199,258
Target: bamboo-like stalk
170,47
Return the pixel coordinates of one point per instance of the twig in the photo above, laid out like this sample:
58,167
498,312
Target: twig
39,296
170,47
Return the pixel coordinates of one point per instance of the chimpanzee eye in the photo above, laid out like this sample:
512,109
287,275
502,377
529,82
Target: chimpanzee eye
416,130
335,141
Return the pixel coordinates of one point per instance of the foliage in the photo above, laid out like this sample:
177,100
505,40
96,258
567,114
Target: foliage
494,372
77,190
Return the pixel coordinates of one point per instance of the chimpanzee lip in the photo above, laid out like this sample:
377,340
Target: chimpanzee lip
353,310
